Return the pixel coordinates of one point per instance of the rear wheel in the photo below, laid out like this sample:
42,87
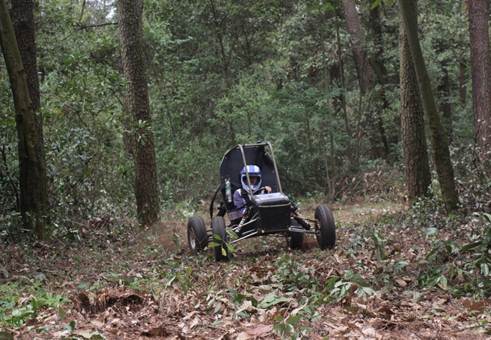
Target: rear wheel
220,239
197,237
327,227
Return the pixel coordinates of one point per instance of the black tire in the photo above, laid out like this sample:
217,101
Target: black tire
197,237
327,227
220,237
295,241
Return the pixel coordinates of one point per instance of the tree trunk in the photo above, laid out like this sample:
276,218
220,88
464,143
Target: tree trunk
462,82
22,13
441,154
418,177
380,71
377,64
337,76
365,75
131,35
353,25
33,181
481,75
445,104
220,28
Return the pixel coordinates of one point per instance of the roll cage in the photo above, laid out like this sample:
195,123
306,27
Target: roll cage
238,157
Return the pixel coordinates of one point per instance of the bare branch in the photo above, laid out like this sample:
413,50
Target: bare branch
85,27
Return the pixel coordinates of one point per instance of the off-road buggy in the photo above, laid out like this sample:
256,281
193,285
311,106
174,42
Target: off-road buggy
267,213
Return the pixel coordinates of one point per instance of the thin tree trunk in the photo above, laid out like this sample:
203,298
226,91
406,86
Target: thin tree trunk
462,82
481,75
365,74
417,170
353,25
445,104
220,39
441,154
341,84
131,35
33,181
380,72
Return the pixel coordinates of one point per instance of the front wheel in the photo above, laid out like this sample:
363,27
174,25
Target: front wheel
197,237
220,239
326,235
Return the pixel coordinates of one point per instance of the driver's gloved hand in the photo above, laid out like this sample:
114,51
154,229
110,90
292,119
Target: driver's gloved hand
264,190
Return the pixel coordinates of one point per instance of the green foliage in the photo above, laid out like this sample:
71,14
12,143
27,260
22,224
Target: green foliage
179,273
379,246
219,75
81,89
289,327
464,269
16,308
296,276
293,274
337,288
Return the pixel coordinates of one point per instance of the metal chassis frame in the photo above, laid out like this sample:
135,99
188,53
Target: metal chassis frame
259,232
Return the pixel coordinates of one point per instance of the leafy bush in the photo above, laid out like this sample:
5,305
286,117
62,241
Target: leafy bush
464,269
17,308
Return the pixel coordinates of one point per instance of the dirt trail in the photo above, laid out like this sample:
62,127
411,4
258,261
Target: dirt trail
367,287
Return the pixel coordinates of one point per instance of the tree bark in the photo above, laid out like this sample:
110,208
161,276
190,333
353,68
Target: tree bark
22,14
33,180
379,70
417,170
132,47
481,75
441,153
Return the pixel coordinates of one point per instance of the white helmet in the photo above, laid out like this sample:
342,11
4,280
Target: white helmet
254,172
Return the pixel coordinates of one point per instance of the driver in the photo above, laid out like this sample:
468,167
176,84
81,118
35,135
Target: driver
240,195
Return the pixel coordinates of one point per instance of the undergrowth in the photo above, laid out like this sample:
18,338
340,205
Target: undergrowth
19,304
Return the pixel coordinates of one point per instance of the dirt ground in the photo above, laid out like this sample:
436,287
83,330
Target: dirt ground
117,284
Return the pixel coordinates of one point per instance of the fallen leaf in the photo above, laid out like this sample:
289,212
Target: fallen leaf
259,330
270,300
369,331
97,323
401,283
156,331
478,306
243,336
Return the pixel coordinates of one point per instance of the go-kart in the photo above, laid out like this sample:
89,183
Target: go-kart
266,213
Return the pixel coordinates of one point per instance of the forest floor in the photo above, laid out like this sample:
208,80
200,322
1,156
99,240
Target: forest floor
382,281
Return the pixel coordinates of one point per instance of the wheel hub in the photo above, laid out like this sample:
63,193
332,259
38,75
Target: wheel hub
192,240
